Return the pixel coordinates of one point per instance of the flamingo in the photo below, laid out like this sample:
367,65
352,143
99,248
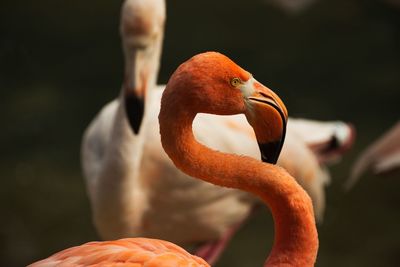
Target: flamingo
328,140
381,156
212,83
133,186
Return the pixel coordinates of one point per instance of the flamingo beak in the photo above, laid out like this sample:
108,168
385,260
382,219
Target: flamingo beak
268,116
135,89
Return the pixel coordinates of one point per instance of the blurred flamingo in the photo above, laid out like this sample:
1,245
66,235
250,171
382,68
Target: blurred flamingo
212,83
381,156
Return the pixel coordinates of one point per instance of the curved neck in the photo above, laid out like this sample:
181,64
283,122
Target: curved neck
296,240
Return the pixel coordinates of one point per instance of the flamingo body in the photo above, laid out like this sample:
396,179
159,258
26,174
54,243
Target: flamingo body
191,211
128,252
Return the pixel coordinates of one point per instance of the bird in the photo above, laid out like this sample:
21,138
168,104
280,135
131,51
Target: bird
211,83
382,156
133,186
328,140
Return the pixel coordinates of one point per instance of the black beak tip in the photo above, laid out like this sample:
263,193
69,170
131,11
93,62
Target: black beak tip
134,107
135,127
270,151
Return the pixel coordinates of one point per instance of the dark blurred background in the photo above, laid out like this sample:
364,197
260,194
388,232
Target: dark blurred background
61,61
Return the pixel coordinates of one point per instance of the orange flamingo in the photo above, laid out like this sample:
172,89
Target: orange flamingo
133,186
212,83
381,156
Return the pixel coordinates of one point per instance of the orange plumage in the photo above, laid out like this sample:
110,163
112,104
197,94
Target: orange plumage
129,252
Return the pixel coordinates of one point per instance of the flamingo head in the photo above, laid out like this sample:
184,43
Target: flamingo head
142,31
212,83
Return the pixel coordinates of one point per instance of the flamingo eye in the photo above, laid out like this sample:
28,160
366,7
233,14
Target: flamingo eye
236,82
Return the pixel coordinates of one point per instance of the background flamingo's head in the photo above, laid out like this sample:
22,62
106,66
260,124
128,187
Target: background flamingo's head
142,31
212,83
142,21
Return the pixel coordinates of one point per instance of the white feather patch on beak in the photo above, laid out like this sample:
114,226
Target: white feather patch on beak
247,88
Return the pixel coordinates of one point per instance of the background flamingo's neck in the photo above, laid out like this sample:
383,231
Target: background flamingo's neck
118,198
296,241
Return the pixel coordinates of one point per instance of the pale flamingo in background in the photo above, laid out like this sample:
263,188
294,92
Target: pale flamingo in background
381,156
133,187
212,83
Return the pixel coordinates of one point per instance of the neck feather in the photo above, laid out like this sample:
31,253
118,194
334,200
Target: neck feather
117,194
296,240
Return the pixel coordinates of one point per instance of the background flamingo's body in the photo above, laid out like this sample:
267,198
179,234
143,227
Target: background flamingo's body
190,210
